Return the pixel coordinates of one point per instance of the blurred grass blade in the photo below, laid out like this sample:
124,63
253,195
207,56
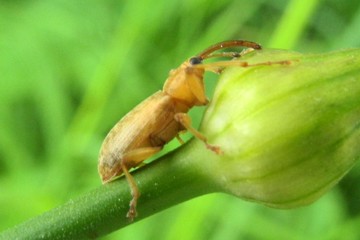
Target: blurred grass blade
293,23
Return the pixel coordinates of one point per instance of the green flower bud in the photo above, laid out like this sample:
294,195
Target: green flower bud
288,132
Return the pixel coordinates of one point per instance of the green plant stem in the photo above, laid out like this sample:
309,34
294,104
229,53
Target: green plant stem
164,183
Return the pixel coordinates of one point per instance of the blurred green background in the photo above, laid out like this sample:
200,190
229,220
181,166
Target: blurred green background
69,70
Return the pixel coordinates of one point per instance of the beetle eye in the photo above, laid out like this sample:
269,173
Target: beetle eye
195,60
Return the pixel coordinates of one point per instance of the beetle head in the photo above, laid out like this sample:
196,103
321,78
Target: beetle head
186,83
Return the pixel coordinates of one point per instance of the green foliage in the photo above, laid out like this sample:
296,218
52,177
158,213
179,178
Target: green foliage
70,69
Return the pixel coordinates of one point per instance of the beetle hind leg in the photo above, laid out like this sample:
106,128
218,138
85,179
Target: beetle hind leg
134,192
132,159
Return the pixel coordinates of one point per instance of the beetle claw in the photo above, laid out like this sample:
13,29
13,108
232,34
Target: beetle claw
215,149
131,214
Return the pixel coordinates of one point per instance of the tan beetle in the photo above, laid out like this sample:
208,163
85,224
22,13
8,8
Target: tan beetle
158,119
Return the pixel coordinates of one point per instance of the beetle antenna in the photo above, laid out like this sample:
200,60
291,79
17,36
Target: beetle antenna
226,44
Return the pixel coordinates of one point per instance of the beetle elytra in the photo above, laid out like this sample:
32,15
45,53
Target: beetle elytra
161,117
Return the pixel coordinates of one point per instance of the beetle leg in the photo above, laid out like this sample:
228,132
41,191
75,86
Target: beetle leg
231,54
179,139
185,120
135,157
132,159
131,214
217,67
246,51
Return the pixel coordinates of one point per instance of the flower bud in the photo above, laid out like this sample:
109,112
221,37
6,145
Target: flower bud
289,132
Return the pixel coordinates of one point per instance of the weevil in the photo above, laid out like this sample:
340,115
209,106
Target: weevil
154,122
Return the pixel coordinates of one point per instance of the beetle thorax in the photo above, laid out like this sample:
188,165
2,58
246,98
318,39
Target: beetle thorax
186,85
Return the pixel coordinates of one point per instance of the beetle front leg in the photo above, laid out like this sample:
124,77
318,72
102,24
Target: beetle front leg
185,120
218,67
